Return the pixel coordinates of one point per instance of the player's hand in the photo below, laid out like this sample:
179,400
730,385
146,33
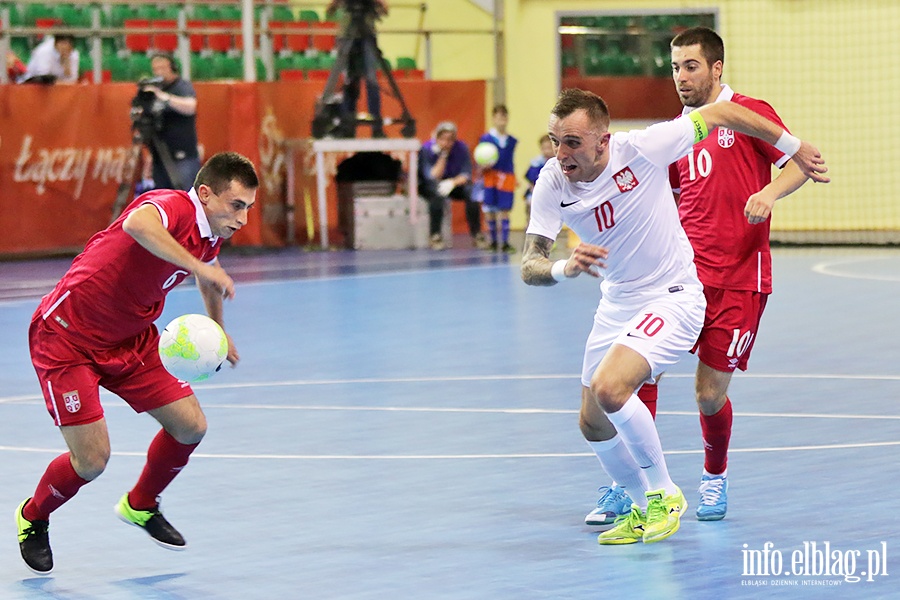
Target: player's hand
810,161
446,186
215,277
587,258
232,357
758,208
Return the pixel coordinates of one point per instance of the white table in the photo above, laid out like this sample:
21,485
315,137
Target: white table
351,146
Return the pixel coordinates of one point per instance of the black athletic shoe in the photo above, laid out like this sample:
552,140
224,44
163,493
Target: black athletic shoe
34,542
153,523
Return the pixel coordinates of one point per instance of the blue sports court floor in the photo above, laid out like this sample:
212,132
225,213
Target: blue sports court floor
403,425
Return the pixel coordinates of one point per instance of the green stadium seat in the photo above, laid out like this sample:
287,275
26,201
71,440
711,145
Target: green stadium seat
406,62
15,15
33,12
117,15
206,12
73,16
117,66
227,67
139,66
201,68
230,13
309,15
147,11
282,13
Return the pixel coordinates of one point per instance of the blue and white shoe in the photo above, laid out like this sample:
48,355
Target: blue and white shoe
614,504
713,497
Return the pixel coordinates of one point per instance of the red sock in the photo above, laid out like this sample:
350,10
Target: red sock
648,395
716,431
59,483
165,459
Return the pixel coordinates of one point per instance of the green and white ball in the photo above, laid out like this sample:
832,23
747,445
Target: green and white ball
193,347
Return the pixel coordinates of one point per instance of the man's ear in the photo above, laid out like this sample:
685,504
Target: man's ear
203,192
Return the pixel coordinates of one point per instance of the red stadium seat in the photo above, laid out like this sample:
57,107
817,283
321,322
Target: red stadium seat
291,75
325,42
167,42
278,28
195,40
221,42
295,39
318,74
137,42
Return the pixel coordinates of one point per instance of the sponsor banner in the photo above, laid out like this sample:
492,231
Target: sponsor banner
65,150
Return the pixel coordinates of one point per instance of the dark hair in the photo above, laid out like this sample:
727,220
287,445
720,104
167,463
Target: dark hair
500,108
711,45
573,99
223,168
64,37
173,63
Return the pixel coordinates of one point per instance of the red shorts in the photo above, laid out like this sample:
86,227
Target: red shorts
71,375
729,329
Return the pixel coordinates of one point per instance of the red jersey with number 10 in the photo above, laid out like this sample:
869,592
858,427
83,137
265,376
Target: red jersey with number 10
116,288
715,180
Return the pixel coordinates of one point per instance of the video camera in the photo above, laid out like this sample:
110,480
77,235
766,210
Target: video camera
146,108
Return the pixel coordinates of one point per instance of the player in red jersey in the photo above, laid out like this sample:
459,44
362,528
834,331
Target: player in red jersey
96,329
726,196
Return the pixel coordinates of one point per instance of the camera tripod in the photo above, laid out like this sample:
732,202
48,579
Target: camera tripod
142,134
330,119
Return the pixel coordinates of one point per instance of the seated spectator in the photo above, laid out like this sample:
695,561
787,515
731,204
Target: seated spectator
53,60
445,171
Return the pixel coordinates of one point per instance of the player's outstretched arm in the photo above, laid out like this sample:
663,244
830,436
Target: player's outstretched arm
736,117
212,300
759,205
537,269
536,264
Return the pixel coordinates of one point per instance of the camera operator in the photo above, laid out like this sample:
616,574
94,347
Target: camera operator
174,112
363,59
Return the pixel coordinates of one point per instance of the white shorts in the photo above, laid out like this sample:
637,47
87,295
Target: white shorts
659,327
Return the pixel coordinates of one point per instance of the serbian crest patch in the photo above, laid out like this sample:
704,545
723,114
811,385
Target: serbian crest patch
73,403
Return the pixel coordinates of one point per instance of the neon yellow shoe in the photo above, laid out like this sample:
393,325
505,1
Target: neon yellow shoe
153,523
628,529
34,542
663,514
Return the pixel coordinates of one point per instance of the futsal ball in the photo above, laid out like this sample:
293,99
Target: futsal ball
193,347
486,154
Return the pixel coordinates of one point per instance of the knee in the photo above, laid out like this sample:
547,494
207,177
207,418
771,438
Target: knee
89,464
189,432
710,402
609,396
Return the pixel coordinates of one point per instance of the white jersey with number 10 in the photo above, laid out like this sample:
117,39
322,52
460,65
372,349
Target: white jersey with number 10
628,209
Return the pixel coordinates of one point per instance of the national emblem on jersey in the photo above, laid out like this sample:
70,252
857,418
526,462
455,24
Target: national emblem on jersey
72,402
726,137
625,180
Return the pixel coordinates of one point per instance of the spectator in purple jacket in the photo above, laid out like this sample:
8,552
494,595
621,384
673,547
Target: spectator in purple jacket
446,172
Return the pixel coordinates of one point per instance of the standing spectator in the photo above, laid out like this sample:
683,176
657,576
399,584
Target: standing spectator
534,169
56,58
176,109
96,328
445,171
726,197
499,181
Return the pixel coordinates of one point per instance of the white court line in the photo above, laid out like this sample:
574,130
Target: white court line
828,268
456,456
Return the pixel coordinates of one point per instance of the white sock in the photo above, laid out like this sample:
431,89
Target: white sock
618,463
638,432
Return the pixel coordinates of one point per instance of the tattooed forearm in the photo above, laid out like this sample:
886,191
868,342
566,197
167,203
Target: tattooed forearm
536,263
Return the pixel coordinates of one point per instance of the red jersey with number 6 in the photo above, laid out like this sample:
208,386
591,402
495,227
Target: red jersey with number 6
116,288
715,180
